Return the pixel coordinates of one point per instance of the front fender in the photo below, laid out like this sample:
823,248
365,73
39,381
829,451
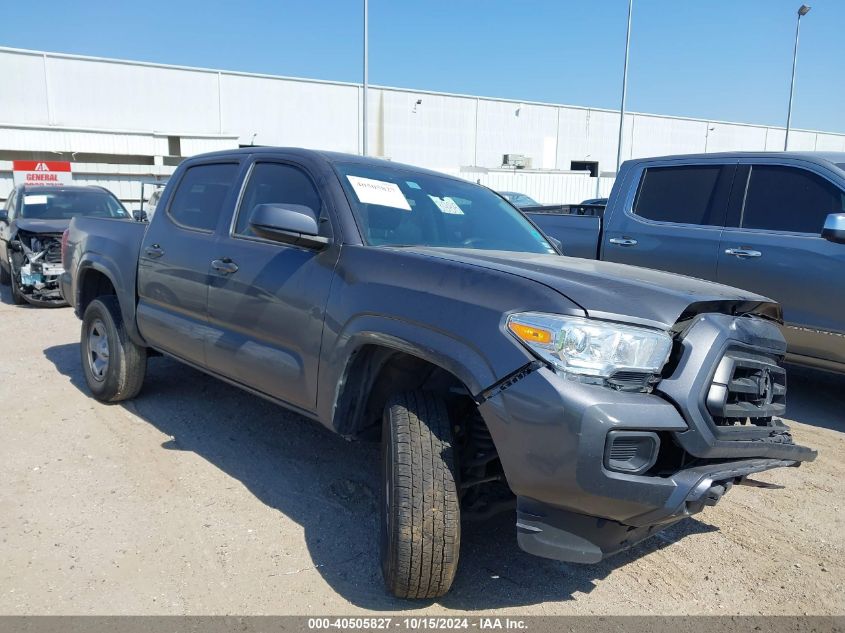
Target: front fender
459,357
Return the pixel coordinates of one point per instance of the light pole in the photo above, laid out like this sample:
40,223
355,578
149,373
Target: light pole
802,11
366,73
624,87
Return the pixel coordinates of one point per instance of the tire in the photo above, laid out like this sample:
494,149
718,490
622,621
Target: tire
5,277
113,365
17,296
420,511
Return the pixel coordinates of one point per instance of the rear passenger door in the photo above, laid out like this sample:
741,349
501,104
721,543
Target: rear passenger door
175,260
672,220
773,247
267,299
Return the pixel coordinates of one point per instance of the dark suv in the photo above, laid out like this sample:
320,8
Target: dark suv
31,227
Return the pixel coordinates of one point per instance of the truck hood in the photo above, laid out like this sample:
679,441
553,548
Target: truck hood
617,291
41,226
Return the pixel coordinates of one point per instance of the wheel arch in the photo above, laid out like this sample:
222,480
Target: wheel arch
96,277
383,356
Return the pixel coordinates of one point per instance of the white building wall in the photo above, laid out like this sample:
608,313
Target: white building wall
439,133
30,139
520,129
289,112
829,143
63,103
115,95
653,136
23,75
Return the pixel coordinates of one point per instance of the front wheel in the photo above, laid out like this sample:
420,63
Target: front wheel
114,366
17,296
420,512
5,276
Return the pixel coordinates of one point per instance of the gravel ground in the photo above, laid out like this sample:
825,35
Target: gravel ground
197,498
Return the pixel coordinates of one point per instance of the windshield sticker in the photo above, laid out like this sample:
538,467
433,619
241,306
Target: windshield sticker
35,199
447,205
412,184
385,194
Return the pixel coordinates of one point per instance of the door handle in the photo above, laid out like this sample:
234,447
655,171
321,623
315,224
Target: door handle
225,266
742,253
155,251
622,241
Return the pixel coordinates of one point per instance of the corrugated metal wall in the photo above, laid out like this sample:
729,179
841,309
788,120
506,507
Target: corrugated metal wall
66,103
122,180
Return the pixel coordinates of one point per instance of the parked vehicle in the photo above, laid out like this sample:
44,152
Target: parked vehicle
152,203
31,227
605,401
772,223
519,199
593,206
594,202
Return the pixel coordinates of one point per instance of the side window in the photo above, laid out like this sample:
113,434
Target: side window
275,183
200,195
683,195
789,199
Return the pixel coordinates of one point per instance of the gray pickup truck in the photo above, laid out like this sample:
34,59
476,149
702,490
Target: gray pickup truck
772,223
603,401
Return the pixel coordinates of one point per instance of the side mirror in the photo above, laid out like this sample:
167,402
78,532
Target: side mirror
287,223
4,215
140,216
834,228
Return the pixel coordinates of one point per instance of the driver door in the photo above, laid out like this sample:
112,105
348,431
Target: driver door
266,302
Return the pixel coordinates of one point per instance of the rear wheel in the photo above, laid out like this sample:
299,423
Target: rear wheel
114,366
420,515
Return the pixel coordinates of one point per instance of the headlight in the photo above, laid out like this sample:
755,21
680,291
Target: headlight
575,345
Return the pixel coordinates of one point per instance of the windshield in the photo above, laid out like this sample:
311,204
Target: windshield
399,207
64,205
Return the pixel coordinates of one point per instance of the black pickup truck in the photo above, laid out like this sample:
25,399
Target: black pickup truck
605,401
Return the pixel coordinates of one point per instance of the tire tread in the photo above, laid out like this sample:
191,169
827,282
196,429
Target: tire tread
129,359
426,515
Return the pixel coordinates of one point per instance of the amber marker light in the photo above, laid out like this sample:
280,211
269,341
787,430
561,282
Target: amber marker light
530,334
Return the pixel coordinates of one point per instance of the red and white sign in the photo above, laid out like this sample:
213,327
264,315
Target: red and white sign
41,172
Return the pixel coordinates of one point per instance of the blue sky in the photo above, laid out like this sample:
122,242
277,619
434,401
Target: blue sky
719,59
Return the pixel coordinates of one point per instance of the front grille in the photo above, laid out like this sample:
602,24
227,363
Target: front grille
748,389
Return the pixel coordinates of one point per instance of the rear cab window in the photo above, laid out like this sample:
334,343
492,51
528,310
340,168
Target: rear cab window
684,194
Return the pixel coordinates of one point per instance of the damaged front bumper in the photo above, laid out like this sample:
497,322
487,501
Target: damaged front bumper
36,267
558,443
553,532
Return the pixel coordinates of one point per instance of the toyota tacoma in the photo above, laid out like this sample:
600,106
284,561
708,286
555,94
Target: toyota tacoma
603,401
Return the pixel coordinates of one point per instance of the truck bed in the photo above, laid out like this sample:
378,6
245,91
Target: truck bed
579,234
109,244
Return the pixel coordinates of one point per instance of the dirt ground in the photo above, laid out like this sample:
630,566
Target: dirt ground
197,498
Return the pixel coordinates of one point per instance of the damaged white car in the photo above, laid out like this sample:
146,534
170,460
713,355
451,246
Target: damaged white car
32,223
